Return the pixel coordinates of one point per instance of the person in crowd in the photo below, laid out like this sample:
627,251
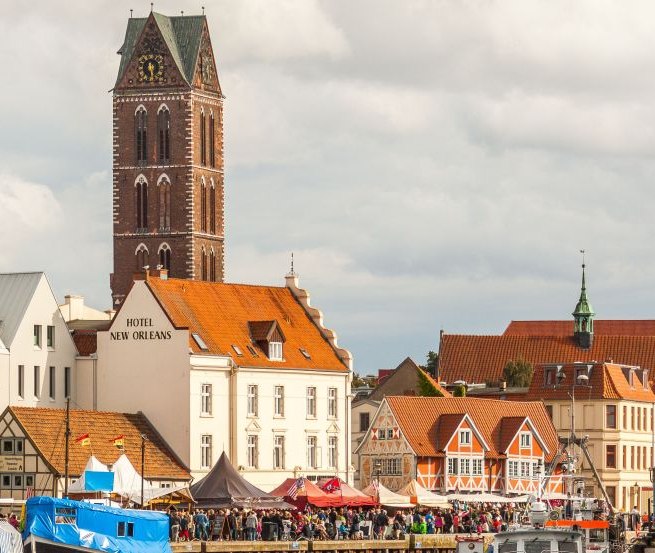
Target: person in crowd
184,527
174,524
251,526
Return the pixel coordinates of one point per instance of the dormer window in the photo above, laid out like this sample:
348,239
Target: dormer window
549,376
275,351
199,342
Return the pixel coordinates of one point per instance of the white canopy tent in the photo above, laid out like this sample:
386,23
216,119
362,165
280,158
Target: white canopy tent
419,495
91,465
486,498
388,498
10,539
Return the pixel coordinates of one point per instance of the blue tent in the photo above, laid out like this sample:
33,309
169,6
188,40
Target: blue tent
95,527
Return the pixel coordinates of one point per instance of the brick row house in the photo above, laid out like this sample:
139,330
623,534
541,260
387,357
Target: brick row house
460,444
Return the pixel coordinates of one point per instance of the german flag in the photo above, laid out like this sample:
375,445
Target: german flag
83,440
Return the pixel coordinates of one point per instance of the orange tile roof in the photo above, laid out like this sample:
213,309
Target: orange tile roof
220,313
46,428
606,381
439,387
86,341
480,359
565,328
509,426
419,421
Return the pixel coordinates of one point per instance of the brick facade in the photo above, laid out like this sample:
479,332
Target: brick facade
179,227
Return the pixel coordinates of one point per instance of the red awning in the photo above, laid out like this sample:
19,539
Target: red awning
310,493
349,496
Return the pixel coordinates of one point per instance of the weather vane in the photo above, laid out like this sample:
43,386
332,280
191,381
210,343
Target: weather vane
582,252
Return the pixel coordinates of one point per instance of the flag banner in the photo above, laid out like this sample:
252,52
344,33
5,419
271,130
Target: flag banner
83,440
298,485
119,441
332,484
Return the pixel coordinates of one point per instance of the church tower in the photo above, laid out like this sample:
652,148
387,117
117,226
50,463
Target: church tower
583,318
168,208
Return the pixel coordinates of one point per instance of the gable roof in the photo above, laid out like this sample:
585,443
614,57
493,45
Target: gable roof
419,419
565,328
406,374
86,341
182,35
606,381
220,314
509,427
46,429
16,292
480,359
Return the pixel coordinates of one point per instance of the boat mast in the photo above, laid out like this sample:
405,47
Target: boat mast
67,434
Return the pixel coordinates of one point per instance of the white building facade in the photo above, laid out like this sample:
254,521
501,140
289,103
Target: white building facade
249,370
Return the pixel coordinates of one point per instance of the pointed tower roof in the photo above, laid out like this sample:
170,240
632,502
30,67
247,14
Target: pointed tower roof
583,307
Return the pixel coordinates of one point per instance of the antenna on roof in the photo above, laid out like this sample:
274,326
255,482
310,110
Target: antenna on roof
291,272
203,10
131,10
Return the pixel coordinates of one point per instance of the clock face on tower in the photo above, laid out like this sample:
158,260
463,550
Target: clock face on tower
151,67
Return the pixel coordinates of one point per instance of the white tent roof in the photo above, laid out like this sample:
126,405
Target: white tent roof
10,539
127,481
387,497
93,465
486,498
423,497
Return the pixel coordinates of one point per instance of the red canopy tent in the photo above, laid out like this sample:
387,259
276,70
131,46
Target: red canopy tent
347,495
309,493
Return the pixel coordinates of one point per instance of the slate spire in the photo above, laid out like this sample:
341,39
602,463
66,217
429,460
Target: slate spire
583,315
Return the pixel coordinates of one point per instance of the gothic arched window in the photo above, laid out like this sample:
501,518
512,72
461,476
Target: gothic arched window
212,140
141,129
203,204
203,137
212,207
165,257
164,133
141,254
212,265
203,264
164,203
141,186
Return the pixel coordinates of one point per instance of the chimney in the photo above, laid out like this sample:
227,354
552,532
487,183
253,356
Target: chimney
75,307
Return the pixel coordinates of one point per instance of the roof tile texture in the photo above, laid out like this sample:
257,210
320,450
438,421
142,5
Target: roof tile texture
220,313
86,341
47,429
565,328
419,418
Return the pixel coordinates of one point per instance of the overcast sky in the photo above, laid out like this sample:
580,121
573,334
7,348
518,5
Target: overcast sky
433,165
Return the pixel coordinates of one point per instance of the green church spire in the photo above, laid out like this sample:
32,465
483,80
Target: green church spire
583,315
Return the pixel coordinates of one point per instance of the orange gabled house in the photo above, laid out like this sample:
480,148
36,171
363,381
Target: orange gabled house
460,444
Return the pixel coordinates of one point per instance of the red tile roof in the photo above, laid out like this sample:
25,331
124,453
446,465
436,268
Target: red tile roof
46,428
480,359
606,381
86,341
222,315
565,328
419,419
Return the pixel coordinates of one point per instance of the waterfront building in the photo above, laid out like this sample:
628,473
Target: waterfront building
37,354
460,444
612,407
245,369
32,449
167,152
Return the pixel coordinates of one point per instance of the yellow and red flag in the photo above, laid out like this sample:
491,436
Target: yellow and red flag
119,441
83,440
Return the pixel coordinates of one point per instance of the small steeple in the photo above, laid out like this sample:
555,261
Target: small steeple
583,315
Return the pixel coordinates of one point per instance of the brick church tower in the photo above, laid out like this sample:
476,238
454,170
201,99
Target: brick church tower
168,153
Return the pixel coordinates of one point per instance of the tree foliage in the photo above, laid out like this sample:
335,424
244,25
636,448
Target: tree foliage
459,391
431,362
518,373
425,387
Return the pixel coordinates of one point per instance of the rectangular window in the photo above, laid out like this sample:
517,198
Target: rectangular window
389,433
624,462
8,447
452,465
50,336
52,380
311,452
37,381
465,466
632,418
206,399
279,401
611,493
364,421
610,416
275,351
67,382
549,410
311,401
389,466
332,403
638,457
37,336
332,452
536,471
624,423
65,515
252,400
464,437
610,456
638,418
526,440
252,452
205,451
525,469
381,434
513,469
549,376
477,467
632,457
278,452
21,381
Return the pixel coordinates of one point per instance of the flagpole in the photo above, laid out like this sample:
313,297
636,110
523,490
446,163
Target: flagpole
143,461
67,434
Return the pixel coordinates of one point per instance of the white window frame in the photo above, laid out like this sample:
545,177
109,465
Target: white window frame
525,440
512,469
465,437
465,466
50,336
205,451
206,400
525,469
278,451
275,351
253,393
453,465
312,448
38,338
311,402
333,452
332,403
252,457
476,467
278,401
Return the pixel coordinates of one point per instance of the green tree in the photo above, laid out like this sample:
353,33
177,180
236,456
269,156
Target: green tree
431,363
425,386
459,391
518,373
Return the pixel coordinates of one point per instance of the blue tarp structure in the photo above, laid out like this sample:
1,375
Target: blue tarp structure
97,527
98,481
